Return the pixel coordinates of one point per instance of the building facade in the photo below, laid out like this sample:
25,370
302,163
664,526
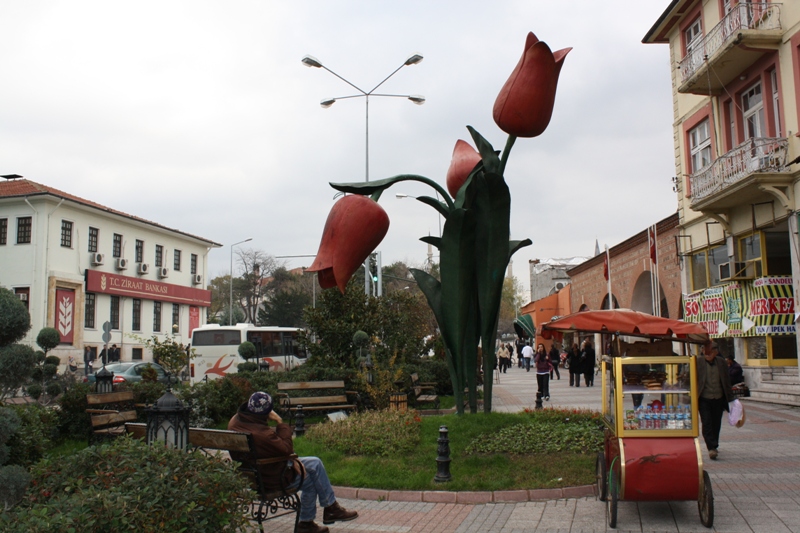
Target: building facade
79,266
735,74
548,276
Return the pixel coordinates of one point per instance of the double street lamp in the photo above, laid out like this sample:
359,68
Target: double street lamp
230,309
311,61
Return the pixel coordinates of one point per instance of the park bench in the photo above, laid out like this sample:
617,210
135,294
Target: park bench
328,396
271,503
424,392
108,422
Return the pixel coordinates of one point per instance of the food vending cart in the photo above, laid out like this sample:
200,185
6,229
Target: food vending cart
649,399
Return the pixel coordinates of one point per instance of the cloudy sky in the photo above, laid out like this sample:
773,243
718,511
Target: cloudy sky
199,114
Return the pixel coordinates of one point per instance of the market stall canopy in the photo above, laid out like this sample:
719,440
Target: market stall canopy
625,322
524,327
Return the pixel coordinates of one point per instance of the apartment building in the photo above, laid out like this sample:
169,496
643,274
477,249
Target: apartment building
735,68
78,265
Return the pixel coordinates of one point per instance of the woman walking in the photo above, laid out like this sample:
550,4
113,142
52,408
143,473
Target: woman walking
543,367
588,359
574,362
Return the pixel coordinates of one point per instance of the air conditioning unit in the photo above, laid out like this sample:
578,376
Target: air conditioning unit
560,285
23,296
122,263
737,270
98,259
197,279
163,272
143,268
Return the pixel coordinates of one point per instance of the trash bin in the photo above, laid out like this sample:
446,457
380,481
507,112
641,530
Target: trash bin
398,401
263,366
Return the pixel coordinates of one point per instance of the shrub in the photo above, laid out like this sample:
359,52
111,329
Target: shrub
52,360
247,367
14,480
34,390
53,389
247,350
383,433
130,486
15,321
16,365
73,420
147,392
149,374
47,339
34,436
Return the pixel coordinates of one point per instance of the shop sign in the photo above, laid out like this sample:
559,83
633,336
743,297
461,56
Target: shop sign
764,306
65,314
107,283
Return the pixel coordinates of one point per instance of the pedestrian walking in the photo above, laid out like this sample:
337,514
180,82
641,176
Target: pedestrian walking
588,360
88,357
713,393
527,355
574,363
543,369
502,358
555,360
520,346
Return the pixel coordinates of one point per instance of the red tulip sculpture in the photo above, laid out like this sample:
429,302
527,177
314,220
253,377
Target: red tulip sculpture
474,246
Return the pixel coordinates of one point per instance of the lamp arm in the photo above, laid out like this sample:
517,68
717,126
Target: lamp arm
359,89
386,78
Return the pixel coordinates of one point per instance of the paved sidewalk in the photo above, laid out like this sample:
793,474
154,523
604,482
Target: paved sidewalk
756,483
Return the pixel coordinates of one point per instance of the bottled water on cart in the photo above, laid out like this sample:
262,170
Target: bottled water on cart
687,422
671,418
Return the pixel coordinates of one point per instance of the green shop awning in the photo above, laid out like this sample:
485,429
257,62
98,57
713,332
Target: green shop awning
524,327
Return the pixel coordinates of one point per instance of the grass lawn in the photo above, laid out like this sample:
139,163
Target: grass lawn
415,470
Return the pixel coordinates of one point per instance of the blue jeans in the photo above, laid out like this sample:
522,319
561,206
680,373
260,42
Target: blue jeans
316,485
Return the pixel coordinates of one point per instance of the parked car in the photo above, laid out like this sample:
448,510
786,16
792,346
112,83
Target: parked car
129,372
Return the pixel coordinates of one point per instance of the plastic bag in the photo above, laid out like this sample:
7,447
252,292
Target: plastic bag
736,413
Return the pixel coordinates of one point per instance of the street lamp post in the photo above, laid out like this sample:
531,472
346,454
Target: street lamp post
230,309
400,196
311,61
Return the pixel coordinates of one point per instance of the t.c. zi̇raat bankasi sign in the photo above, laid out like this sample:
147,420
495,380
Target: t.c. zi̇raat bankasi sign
764,306
107,283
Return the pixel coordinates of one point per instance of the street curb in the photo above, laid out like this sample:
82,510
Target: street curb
466,497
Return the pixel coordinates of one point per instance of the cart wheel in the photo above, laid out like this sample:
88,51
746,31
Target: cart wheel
601,475
705,503
611,502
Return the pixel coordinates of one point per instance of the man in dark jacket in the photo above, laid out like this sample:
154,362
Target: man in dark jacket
555,360
253,418
734,370
588,361
713,395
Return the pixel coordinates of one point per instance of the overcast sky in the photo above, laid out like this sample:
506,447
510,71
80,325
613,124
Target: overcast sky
200,116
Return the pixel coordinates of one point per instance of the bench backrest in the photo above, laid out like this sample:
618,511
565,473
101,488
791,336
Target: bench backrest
109,397
315,400
208,439
310,385
108,419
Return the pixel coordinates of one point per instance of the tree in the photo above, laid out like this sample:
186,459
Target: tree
285,308
170,354
510,303
15,321
257,267
47,339
17,363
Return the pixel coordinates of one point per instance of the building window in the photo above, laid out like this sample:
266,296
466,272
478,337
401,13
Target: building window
156,316
136,315
177,262
699,277
693,35
716,256
139,251
66,234
136,354
159,260
194,264
114,312
3,231
732,125
93,236
24,294
753,112
176,318
24,232
89,311
700,146
776,103
117,245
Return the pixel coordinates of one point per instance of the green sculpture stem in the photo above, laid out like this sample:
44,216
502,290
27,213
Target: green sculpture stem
377,187
506,152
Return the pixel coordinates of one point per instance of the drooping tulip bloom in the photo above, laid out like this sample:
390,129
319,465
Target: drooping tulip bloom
465,157
525,103
356,226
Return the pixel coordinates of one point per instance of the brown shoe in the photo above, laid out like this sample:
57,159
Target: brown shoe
712,454
310,527
337,513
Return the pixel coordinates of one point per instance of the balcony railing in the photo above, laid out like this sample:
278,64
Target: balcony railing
758,155
743,16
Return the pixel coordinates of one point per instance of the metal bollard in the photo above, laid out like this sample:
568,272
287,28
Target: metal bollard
539,401
443,460
299,422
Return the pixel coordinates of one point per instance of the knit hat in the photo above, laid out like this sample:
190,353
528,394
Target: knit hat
260,403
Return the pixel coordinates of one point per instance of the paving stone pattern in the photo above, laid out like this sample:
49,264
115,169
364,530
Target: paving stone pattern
756,484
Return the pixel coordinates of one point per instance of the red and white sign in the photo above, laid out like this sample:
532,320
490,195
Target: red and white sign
65,314
194,319
107,283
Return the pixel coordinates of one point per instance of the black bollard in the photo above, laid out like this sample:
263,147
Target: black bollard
443,460
539,401
299,422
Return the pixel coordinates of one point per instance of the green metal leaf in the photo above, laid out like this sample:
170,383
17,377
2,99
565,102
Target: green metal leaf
440,206
430,239
370,188
491,161
514,246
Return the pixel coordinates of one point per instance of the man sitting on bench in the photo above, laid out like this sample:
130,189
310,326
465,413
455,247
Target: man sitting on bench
253,418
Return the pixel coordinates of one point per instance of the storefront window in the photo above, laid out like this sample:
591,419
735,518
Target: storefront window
756,347
784,347
716,257
779,261
699,280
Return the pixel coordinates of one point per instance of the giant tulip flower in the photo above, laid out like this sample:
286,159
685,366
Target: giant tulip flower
525,103
465,157
355,227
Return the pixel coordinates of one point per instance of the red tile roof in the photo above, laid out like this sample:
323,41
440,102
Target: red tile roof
22,188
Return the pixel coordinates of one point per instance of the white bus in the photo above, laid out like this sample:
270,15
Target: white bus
217,349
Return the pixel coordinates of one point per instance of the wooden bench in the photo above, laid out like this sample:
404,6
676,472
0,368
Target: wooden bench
337,398
109,423
271,503
424,392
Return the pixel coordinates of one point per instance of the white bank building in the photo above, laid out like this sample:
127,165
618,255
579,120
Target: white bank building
78,265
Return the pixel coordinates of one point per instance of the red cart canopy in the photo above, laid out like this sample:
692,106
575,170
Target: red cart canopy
625,322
